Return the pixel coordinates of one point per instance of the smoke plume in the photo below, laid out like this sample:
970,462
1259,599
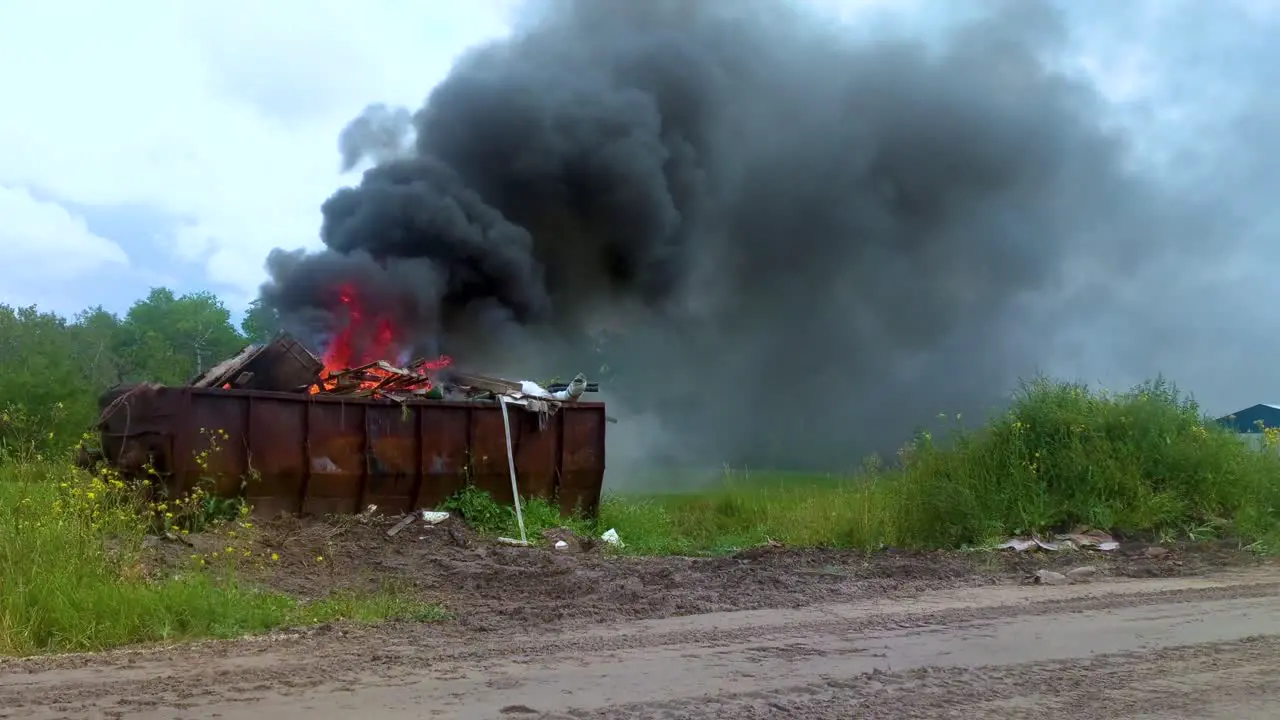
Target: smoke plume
801,244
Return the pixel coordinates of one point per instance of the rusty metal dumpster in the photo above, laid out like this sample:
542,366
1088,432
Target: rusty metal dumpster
316,454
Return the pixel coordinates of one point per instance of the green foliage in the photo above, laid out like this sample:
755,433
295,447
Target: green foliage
74,575
42,382
52,369
1140,462
171,339
811,512
485,515
1143,462
260,323
479,510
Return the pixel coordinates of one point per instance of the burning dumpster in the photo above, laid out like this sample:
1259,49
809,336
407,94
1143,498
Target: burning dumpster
273,426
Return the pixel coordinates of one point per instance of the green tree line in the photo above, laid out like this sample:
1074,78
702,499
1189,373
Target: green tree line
53,369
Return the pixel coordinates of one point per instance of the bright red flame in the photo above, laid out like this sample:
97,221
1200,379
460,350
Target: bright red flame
356,343
363,340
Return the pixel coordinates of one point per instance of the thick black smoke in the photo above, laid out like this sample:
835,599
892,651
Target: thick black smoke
805,244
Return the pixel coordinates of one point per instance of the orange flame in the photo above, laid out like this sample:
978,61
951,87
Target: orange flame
359,346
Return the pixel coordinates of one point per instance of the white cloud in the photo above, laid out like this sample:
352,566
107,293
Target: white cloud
226,115
44,243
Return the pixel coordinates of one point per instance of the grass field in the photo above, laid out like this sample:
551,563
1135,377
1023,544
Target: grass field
1141,462
72,577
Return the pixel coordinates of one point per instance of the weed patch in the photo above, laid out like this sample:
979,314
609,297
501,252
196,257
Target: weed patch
74,574
1142,462
487,516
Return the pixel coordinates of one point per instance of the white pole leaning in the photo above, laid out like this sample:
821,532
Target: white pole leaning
511,467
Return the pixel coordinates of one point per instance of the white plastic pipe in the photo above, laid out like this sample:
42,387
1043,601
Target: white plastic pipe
511,467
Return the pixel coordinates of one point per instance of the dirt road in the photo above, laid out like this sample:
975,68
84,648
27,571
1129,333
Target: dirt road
1174,647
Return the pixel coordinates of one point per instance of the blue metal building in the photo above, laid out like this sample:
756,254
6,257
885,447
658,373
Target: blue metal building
1246,421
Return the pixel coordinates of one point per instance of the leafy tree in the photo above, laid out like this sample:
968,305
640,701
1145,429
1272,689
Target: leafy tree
53,370
96,334
260,323
171,339
45,396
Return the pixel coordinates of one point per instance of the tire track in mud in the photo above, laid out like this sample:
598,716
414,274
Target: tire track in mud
413,643
117,684
1213,680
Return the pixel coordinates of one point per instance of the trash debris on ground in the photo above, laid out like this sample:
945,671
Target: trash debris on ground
1049,577
759,551
1080,540
1081,574
563,538
430,517
611,536
1090,539
405,522
1087,572
513,542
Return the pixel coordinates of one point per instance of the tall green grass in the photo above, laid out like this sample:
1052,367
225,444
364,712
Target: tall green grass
1142,462
74,575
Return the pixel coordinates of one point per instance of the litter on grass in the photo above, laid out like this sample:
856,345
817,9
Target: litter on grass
1082,539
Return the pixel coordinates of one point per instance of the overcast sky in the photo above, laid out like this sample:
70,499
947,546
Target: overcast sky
154,142
157,142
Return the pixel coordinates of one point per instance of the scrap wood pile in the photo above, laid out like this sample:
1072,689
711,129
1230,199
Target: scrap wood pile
285,365
382,379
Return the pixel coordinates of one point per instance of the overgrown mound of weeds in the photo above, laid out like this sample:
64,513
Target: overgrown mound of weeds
1139,462
75,573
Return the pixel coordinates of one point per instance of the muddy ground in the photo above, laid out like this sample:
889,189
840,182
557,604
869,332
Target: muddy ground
582,636
489,586
770,633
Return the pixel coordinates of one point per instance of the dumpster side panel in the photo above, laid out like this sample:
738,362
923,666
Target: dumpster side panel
277,455
582,459
488,470
138,428
337,458
536,448
533,446
216,438
393,458
444,433
319,455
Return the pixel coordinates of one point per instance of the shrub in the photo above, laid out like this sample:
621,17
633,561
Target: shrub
1063,455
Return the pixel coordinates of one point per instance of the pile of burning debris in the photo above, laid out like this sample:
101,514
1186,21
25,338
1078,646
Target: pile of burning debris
285,365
